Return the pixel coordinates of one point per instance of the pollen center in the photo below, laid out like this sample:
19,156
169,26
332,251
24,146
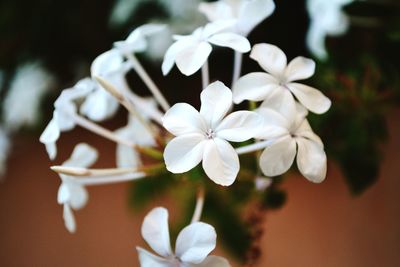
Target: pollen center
210,134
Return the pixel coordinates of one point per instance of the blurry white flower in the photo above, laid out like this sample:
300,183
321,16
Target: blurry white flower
4,150
203,136
62,120
137,40
100,104
193,244
137,133
327,18
71,194
22,101
293,130
190,52
246,13
262,183
276,87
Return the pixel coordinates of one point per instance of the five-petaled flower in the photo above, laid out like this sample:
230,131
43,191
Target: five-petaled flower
276,87
193,244
203,136
190,52
286,132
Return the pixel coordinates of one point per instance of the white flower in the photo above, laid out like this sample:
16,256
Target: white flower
203,136
291,131
327,18
277,87
71,194
193,244
190,52
137,40
22,102
246,13
62,121
137,133
100,104
4,150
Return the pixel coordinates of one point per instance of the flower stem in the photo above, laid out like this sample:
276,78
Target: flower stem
205,77
149,82
199,205
237,67
253,147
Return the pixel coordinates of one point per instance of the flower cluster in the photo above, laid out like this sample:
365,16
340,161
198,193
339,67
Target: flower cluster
180,137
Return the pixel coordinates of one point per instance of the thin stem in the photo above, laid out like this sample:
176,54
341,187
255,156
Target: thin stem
237,67
205,77
199,205
97,129
90,180
253,147
149,82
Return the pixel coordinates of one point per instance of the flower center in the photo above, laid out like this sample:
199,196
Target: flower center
210,134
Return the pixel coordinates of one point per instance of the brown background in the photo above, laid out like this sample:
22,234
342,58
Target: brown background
321,225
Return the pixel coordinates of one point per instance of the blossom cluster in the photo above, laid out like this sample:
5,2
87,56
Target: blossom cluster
180,137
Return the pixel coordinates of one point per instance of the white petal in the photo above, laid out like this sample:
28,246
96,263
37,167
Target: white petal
99,105
311,160
213,261
83,156
315,40
216,27
275,125
252,13
231,40
107,63
277,158
69,219
195,242
51,149
184,152
304,130
310,97
51,133
300,68
216,100
64,194
270,57
220,162
239,126
171,54
193,58
155,231
255,86
182,118
78,196
282,101
127,157
216,10
148,259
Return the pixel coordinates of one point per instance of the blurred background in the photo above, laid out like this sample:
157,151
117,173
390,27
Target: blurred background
352,219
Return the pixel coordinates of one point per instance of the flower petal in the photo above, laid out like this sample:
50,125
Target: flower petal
311,160
148,259
127,157
277,158
310,97
51,133
216,100
220,162
182,119
195,242
155,231
184,152
300,68
69,219
252,13
270,57
304,130
282,101
231,40
99,105
216,27
83,156
255,86
213,261
171,54
191,59
275,125
239,126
